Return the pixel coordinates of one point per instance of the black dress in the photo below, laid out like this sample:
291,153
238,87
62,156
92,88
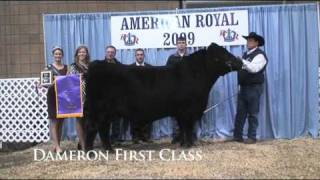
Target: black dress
51,94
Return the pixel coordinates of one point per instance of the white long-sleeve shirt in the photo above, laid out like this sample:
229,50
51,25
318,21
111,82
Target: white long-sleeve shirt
137,64
257,63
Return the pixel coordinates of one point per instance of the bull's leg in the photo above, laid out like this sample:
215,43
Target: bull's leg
189,134
91,132
186,123
136,128
146,132
104,133
181,132
133,131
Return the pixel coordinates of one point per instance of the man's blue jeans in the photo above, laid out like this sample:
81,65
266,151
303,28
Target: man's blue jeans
248,107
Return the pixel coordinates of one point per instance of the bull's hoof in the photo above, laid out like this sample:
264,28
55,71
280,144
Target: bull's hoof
87,149
117,142
187,145
148,141
108,148
111,151
136,141
79,146
190,145
182,143
91,154
175,140
196,143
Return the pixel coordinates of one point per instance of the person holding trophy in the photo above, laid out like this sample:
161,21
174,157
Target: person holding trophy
57,68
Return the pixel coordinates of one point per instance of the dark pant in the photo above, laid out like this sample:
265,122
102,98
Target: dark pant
141,131
115,132
176,131
248,107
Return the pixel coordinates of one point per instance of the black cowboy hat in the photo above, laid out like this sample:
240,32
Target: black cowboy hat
255,36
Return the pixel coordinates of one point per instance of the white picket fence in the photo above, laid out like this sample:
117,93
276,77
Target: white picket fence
23,111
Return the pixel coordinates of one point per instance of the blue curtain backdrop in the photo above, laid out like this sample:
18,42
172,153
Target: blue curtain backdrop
289,101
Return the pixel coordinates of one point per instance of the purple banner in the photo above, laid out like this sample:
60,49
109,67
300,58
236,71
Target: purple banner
68,96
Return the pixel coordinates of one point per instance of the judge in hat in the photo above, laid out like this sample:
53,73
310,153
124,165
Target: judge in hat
250,78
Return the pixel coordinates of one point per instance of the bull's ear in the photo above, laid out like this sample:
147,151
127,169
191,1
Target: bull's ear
211,46
214,44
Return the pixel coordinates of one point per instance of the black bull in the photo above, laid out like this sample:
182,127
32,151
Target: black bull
142,95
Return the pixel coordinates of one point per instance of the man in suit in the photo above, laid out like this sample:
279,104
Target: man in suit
139,54
140,132
251,79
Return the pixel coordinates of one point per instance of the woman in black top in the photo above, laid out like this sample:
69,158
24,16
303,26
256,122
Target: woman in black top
57,68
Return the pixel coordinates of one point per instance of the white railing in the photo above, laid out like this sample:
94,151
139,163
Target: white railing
23,111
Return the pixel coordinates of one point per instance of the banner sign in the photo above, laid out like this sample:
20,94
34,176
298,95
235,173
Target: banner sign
160,31
69,96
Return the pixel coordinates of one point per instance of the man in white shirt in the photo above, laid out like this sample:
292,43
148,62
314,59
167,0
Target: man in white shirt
139,54
251,79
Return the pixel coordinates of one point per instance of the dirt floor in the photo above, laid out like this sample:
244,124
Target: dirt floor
298,158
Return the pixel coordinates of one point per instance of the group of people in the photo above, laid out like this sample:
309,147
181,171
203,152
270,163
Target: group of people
250,78
80,66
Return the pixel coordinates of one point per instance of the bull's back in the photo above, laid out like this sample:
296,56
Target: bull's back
131,91
151,91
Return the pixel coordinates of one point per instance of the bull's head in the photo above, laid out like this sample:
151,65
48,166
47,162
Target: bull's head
222,60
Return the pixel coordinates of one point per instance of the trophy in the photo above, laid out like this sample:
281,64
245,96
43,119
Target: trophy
46,77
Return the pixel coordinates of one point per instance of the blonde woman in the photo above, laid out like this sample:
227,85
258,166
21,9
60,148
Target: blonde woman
80,66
